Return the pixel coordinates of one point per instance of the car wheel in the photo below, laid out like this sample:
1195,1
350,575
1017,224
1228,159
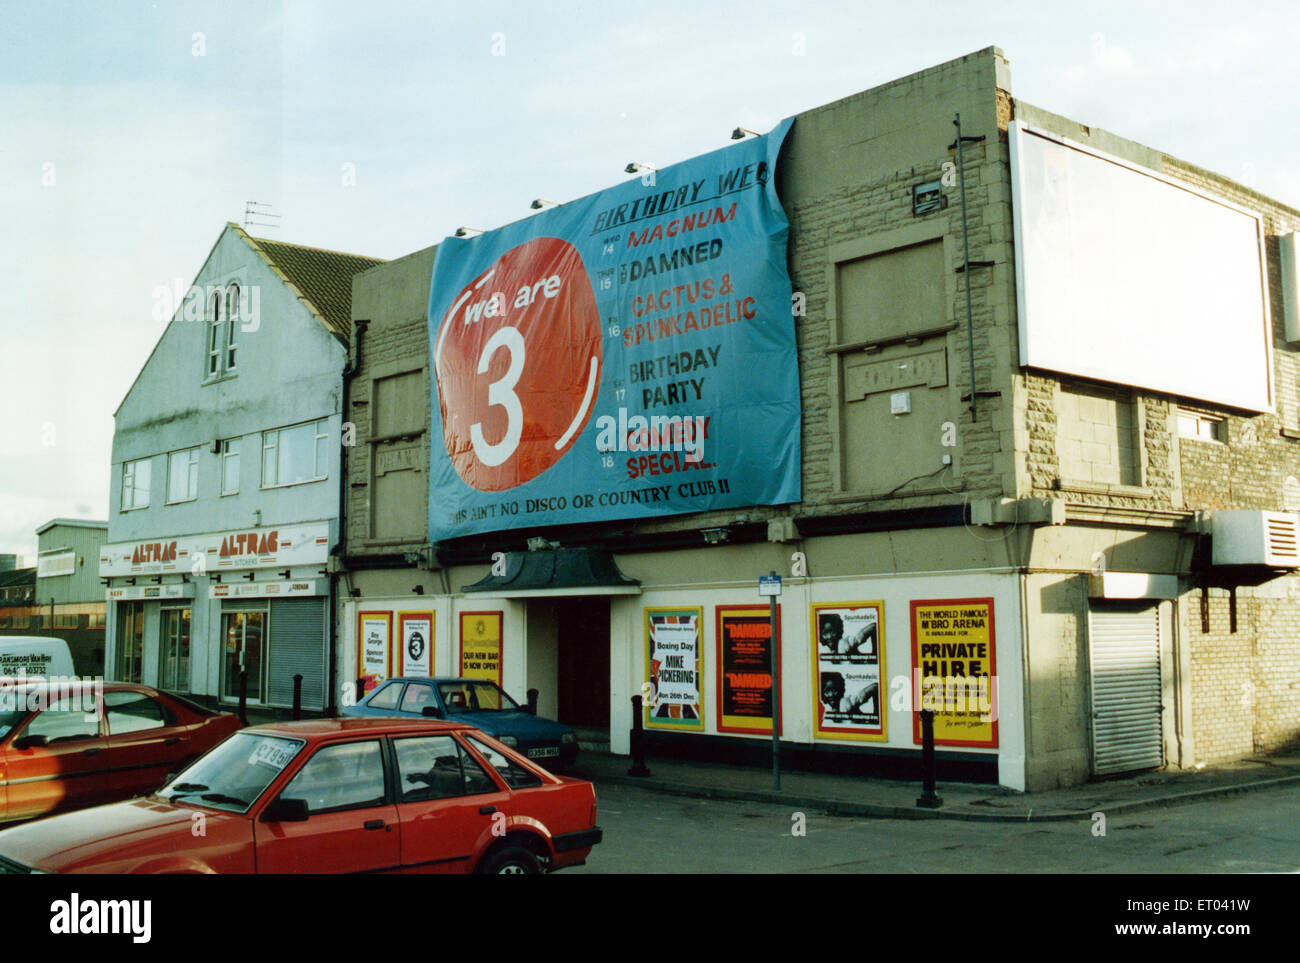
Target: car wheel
511,861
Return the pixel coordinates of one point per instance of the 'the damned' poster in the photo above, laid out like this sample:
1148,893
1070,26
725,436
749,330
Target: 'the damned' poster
745,668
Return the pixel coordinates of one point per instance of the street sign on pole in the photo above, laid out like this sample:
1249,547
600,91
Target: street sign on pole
770,585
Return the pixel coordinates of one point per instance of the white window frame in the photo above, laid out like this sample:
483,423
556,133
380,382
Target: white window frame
1208,428
191,467
226,457
271,444
233,295
215,343
130,470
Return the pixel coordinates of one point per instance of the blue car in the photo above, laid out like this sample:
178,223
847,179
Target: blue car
482,704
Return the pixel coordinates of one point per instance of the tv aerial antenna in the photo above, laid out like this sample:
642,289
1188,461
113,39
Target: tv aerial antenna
256,209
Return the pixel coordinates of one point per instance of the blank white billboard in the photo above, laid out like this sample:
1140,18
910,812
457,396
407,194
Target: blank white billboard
1126,277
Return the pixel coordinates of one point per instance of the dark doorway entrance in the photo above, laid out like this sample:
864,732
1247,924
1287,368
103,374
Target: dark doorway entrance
582,635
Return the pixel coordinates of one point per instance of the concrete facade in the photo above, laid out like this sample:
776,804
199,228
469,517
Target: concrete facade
1072,505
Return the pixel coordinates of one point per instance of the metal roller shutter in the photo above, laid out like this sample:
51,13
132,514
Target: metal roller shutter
1124,649
298,643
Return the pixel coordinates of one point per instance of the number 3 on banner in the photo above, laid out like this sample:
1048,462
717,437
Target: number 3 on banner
501,393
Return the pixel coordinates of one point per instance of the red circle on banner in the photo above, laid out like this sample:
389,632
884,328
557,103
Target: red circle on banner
517,363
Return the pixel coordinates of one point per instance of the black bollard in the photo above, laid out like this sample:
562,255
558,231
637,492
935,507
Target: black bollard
638,741
532,701
243,696
928,799
297,697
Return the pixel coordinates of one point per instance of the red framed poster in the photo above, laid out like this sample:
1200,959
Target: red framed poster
954,671
744,668
374,649
480,645
416,634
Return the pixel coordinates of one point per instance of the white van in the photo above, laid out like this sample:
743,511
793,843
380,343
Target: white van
31,655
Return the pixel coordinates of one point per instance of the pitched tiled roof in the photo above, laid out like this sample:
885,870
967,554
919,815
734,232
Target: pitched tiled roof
323,278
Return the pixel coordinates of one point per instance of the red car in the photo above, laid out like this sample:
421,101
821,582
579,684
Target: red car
331,796
71,745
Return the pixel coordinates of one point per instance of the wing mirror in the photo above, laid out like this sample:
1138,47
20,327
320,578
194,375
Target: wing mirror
31,742
431,712
286,810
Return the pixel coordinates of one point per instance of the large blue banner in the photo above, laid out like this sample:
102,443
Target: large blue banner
627,354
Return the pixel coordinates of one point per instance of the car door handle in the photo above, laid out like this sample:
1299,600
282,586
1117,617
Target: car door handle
373,824
90,752
172,741
487,810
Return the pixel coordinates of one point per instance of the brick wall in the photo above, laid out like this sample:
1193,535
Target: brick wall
1246,684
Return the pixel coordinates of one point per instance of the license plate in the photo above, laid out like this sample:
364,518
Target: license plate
543,752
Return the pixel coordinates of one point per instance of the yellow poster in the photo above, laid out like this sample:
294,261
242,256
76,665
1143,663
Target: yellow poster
480,645
848,663
954,671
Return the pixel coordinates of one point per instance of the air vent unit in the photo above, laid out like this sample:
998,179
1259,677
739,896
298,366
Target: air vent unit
1256,538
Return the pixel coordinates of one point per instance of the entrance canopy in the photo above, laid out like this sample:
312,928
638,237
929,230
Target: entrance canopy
557,571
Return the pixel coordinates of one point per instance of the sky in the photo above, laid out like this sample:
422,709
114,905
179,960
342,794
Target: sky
131,132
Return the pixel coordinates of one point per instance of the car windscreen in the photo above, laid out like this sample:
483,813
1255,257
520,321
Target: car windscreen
470,695
9,719
235,773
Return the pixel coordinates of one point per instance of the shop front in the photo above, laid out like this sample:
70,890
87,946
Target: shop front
225,610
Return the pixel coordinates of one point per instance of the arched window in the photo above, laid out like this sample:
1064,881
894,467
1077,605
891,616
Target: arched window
214,337
232,325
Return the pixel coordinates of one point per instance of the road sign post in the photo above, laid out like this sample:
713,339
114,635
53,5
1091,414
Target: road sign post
770,585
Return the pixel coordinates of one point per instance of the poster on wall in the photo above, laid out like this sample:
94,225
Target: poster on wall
417,642
480,645
608,358
374,657
674,654
848,669
745,668
954,671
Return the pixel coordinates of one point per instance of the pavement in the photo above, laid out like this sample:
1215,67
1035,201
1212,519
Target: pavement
897,799
893,799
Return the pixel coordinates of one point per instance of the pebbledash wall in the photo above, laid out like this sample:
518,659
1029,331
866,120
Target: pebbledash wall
1077,509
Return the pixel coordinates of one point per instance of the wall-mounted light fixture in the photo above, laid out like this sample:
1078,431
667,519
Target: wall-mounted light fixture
464,231
540,202
635,166
741,132
418,590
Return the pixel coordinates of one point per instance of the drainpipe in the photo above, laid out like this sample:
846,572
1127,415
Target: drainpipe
352,365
